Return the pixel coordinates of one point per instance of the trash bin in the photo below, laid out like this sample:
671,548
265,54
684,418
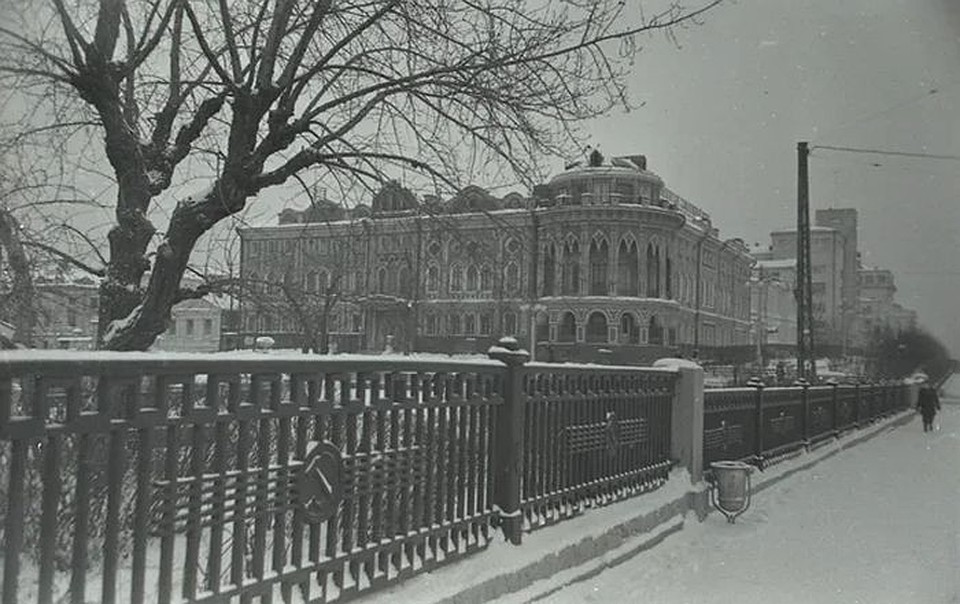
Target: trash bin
730,492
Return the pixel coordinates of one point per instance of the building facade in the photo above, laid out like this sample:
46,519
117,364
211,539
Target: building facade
601,263
878,310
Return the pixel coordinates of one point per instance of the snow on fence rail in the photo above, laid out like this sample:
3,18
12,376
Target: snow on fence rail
762,425
207,478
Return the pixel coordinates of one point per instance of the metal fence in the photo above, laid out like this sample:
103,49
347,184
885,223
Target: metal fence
762,425
239,480
243,478
593,435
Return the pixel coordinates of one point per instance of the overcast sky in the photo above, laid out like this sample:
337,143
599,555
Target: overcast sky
724,110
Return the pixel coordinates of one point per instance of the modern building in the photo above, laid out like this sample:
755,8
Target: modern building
827,246
878,310
603,262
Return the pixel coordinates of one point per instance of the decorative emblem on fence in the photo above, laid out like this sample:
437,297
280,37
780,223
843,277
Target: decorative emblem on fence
723,437
320,485
782,424
609,435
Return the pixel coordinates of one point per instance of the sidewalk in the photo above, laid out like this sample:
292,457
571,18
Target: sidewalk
878,523
605,537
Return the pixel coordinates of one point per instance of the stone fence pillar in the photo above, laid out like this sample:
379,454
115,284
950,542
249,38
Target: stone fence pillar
686,440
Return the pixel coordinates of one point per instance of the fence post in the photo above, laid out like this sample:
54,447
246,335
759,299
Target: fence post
805,412
758,423
686,416
508,438
856,405
833,404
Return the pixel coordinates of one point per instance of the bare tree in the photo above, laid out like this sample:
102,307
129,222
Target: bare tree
247,94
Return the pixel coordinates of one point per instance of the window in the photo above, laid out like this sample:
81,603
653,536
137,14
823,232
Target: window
470,324
382,280
456,279
629,330
655,332
549,264
597,328
357,323
599,258
473,278
627,269
207,327
512,279
433,278
486,324
453,324
71,314
571,268
486,279
431,325
189,327
509,324
568,328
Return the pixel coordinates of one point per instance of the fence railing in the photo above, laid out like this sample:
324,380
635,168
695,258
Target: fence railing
211,479
137,478
761,425
593,435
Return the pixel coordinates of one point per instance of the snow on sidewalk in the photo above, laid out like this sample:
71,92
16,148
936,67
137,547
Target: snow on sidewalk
877,523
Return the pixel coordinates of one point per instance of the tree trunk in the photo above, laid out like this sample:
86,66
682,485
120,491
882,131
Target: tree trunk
21,309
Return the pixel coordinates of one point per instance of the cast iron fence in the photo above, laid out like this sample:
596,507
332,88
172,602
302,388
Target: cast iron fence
225,479
762,425
594,435
239,478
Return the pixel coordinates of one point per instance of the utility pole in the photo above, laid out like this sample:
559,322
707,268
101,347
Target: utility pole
806,361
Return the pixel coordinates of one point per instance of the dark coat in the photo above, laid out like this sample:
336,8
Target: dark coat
928,402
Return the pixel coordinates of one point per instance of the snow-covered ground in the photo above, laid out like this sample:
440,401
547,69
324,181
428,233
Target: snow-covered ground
877,523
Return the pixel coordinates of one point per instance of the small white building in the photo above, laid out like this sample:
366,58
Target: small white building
194,327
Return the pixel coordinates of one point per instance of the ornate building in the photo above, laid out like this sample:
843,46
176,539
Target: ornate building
601,263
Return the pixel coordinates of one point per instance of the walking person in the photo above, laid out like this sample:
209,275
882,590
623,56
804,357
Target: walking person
928,403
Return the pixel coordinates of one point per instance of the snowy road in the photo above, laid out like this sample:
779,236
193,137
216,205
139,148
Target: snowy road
878,523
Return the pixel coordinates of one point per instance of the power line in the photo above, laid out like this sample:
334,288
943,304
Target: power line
890,152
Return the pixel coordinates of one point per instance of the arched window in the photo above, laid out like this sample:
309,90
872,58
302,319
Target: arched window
310,282
431,324
629,329
549,270
456,278
627,266
486,279
599,260
543,328
597,328
571,268
486,323
453,324
509,324
405,283
358,281
512,280
568,328
433,278
470,324
655,332
382,280
653,271
323,280
473,278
